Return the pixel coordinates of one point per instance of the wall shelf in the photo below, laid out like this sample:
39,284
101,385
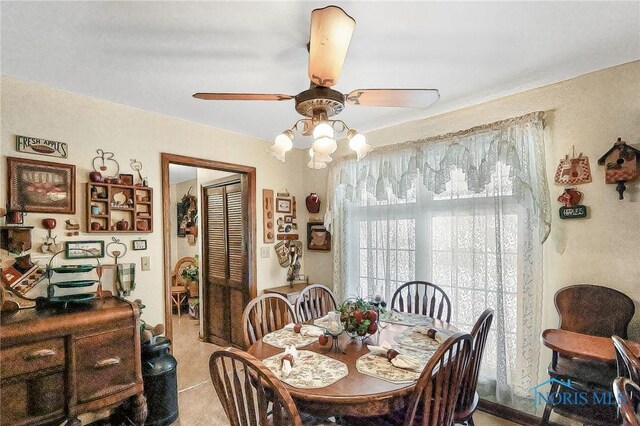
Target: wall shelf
131,201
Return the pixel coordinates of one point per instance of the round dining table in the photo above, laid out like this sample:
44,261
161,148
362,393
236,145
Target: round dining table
357,394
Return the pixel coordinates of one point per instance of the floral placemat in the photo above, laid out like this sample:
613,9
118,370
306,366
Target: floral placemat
311,371
407,319
416,340
322,321
380,367
283,338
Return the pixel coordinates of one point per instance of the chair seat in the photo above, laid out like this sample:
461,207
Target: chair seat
584,373
178,289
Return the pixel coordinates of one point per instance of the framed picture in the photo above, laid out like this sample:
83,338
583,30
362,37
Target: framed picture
41,146
126,179
318,238
288,219
283,205
41,186
83,249
139,244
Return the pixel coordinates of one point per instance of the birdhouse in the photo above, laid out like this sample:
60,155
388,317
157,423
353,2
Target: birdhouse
622,165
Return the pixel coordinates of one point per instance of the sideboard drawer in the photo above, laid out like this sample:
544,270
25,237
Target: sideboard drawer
106,363
20,359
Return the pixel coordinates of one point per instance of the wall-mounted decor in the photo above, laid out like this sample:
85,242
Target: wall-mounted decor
79,249
41,147
288,219
622,165
268,226
573,171
139,244
313,203
116,208
572,209
41,187
283,205
318,238
126,179
288,236
105,164
187,213
136,166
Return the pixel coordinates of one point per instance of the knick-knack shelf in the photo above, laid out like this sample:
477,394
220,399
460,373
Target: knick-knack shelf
121,209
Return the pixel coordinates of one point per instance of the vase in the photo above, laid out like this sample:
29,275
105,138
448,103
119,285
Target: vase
313,203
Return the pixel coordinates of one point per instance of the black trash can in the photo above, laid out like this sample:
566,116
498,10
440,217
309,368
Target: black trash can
160,382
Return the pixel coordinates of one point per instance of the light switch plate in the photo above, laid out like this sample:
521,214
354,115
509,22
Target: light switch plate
264,252
145,263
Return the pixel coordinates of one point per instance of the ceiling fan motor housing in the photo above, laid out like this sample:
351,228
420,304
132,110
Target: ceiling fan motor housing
319,99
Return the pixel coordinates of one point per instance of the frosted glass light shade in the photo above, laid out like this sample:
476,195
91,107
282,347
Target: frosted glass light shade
323,130
324,146
278,152
285,140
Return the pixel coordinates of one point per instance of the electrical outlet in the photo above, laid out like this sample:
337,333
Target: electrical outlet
145,263
264,252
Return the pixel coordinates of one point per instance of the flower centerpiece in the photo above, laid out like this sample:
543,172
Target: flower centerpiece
190,275
359,317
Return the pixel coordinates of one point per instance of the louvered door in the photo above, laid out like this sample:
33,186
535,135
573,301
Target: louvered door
226,262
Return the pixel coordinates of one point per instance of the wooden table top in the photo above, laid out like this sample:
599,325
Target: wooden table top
583,346
357,394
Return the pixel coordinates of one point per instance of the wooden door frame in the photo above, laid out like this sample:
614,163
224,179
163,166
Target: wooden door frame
250,173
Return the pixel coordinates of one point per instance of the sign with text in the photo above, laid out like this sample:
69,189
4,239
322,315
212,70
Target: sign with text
41,146
573,212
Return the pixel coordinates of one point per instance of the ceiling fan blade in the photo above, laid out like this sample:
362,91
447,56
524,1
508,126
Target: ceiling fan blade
241,97
331,30
406,98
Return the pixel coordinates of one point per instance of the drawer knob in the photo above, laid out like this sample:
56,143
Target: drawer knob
42,353
103,363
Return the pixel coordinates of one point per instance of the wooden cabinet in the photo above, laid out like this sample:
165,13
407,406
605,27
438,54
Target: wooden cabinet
113,208
62,363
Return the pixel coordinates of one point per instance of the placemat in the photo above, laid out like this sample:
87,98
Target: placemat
417,340
283,338
407,319
312,371
378,366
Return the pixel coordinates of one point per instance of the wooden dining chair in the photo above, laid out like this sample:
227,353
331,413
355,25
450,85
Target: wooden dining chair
627,362
424,298
468,397
315,301
179,290
249,392
593,310
627,394
264,314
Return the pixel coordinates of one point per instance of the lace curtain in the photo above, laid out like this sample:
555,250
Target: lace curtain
467,211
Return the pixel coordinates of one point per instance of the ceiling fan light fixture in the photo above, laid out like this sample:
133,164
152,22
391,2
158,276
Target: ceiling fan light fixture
323,130
285,140
277,152
358,143
324,146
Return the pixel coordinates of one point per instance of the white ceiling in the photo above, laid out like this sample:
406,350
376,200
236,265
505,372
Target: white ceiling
179,173
155,55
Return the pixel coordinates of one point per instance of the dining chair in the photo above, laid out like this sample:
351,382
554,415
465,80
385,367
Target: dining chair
628,364
421,297
468,397
315,301
593,310
627,394
249,392
264,314
179,290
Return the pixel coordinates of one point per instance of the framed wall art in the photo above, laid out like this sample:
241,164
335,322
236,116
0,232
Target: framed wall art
83,249
41,146
41,187
283,205
126,179
139,244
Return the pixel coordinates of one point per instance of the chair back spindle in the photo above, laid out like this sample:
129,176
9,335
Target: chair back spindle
245,387
314,301
424,298
628,364
264,314
627,394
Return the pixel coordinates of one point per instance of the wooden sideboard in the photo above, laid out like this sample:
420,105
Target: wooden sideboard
60,363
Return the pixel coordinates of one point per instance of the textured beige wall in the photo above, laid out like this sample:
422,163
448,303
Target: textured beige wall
87,124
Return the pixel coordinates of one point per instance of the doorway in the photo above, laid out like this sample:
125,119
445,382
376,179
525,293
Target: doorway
216,324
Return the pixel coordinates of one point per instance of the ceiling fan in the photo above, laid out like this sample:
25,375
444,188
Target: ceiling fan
331,30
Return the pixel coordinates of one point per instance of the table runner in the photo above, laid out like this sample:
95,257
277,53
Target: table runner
311,371
380,367
283,338
417,340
